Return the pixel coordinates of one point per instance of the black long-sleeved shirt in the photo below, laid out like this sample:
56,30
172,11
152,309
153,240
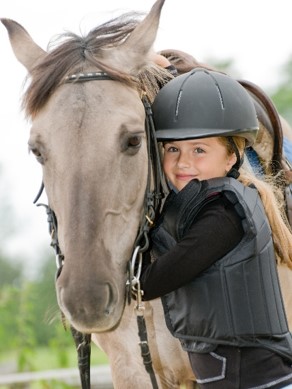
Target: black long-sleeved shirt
216,230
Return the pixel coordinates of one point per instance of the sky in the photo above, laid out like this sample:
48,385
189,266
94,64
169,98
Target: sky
255,34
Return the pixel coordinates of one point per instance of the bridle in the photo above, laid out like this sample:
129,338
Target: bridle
154,194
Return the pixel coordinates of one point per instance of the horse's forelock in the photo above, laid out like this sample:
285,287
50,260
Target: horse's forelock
72,54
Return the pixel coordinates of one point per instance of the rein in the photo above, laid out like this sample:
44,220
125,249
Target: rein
152,202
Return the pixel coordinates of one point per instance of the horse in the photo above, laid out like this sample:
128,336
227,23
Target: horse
85,102
88,134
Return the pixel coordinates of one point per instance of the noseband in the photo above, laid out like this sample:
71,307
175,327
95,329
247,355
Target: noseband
152,201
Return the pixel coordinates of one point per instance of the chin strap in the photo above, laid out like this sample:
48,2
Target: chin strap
234,171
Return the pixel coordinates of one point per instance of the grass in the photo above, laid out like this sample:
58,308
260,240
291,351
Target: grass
42,359
48,358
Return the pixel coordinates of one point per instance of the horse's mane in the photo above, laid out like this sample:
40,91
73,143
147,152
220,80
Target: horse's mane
72,53
183,61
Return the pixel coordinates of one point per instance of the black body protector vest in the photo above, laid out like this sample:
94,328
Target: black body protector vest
237,301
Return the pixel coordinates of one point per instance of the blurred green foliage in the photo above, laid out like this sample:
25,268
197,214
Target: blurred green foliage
282,95
32,335
29,314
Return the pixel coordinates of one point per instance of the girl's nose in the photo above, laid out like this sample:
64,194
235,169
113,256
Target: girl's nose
183,160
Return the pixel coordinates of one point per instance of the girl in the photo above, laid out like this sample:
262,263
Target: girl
214,255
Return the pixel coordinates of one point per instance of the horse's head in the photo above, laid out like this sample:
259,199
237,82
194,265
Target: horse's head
89,138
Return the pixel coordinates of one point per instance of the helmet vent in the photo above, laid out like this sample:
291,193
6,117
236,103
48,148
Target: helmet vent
177,104
220,95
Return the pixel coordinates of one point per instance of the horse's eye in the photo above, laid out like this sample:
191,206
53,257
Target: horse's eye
37,154
131,143
134,141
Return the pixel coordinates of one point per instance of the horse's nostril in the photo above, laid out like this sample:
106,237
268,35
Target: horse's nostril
88,308
111,300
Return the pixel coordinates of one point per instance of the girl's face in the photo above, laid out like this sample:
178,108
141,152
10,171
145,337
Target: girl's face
200,159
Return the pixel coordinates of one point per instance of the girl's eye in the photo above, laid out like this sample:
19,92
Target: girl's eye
171,149
198,150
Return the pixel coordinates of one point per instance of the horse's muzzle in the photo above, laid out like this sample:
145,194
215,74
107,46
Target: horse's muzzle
93,308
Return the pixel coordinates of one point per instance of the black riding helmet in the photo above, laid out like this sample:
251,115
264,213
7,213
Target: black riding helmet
201,104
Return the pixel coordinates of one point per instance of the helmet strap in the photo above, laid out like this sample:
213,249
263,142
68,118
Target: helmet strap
234,171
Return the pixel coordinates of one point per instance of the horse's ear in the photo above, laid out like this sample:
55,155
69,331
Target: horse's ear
134,51
25,49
